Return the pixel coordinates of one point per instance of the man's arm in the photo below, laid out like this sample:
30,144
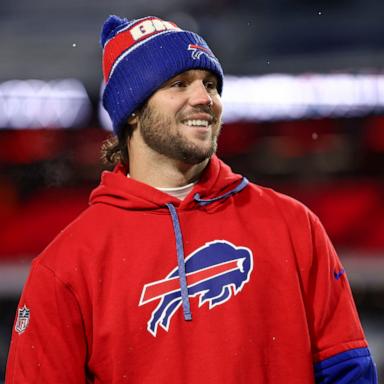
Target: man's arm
341,352
48,342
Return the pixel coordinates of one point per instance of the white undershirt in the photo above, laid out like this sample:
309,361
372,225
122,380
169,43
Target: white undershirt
178,192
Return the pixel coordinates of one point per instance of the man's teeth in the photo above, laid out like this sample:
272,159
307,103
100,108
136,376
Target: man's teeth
197,123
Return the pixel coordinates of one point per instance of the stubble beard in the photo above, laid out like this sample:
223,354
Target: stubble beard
156,133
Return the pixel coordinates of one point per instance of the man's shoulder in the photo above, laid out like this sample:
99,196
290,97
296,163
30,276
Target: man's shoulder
79,238
282,207
273,197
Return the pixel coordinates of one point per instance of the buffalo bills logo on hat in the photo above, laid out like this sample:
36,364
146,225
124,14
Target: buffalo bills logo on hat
214,273
198,50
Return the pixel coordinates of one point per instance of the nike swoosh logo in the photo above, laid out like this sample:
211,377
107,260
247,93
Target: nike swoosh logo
338,274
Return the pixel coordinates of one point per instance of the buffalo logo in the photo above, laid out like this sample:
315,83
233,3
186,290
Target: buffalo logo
214,272
22,321
198,50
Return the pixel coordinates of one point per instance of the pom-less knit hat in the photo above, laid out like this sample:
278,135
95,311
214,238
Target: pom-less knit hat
141,55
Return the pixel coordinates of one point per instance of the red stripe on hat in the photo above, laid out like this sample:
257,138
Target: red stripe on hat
125,40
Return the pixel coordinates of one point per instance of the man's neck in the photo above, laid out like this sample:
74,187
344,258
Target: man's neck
162,172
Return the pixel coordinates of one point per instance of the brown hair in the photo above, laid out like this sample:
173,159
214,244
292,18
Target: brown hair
114,149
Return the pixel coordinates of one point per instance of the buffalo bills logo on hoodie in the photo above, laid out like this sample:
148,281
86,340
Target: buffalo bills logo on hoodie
214,273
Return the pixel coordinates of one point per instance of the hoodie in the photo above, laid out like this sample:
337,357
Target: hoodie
234,284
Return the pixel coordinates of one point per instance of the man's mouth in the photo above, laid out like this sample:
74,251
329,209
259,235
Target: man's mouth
196,123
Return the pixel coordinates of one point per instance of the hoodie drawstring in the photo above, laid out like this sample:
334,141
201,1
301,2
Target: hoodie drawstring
202,202
179,243
180,263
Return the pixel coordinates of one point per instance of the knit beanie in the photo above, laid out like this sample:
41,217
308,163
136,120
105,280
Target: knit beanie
140,55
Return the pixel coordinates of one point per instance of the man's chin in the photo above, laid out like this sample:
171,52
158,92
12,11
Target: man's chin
196,157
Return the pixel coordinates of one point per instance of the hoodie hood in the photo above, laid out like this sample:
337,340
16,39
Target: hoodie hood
121,191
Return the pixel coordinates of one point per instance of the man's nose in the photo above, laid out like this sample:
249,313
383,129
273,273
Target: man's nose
200,95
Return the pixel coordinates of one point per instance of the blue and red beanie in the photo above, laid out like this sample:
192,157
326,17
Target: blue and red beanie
141,55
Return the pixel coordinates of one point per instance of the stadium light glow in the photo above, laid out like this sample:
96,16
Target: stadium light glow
279,96
32,104
65,103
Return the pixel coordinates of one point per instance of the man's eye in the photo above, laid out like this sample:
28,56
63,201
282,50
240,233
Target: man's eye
211,85
178,84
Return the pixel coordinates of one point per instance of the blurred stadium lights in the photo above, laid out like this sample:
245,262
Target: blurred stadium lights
65,103
32,104
105,120
279,96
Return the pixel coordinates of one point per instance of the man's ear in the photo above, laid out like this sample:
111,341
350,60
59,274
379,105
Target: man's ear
133,119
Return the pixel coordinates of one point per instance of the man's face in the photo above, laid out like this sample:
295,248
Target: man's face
182,120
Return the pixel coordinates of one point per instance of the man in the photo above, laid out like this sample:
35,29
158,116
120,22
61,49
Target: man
181,271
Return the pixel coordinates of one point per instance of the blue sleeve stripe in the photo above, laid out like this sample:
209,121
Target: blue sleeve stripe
339,358
353,366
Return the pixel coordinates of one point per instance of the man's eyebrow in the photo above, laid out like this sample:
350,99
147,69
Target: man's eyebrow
169,81
187,75
211,77
175,78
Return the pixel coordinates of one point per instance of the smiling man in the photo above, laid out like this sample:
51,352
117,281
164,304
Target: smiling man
180,270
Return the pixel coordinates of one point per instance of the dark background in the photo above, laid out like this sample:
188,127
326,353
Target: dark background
332,161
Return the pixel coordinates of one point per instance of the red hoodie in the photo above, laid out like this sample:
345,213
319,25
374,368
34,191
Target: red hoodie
104,302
